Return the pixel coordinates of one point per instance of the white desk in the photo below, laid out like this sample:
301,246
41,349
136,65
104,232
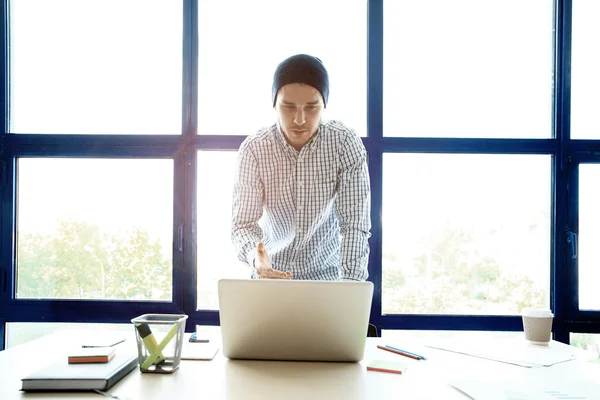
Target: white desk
228,379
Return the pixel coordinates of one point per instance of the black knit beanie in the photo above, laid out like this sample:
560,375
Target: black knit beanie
301,68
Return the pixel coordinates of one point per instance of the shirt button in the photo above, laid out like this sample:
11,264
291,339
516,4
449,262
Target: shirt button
300,184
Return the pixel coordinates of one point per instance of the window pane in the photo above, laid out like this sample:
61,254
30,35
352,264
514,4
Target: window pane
589,232
586,341
23,332
95,229
70,74
465,234
468,68
216,254
585,64
238,56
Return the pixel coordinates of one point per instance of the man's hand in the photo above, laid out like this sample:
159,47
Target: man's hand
264,268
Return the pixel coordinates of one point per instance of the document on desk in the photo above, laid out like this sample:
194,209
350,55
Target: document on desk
517,353
528,390
199,351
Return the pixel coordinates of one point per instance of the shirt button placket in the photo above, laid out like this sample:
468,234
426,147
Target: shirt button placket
299,196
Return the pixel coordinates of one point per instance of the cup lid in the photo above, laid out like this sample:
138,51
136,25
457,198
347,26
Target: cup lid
537,312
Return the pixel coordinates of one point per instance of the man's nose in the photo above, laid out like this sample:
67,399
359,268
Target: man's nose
300,118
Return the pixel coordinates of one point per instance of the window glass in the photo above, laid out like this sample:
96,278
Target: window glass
468,68
589,231
238,55
22,332
95,66
95,229
587,341
465,234
585,64
216,255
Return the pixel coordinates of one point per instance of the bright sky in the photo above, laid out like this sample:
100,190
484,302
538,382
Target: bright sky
589,232
115,195
236,71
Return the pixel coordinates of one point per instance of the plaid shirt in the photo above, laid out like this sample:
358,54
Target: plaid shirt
310,208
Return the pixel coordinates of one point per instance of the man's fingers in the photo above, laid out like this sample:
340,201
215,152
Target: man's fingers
285,275
260,249
274,274
263,264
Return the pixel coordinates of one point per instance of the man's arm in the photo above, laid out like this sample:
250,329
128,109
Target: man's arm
246,206
353,208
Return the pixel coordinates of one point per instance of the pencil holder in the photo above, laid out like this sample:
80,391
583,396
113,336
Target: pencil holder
159,340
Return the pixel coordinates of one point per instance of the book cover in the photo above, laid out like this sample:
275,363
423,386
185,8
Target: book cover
62,376
91,355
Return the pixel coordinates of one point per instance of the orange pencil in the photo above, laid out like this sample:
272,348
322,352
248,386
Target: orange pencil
391,371
392,367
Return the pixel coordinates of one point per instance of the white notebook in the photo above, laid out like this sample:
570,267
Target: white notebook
62,376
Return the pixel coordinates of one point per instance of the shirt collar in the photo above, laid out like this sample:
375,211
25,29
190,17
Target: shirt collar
311,145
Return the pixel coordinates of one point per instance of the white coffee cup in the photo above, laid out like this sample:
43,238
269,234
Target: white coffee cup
537,324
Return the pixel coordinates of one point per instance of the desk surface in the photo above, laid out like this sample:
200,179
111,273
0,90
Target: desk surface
235,379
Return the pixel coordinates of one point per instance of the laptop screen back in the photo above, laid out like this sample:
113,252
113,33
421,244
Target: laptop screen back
294,320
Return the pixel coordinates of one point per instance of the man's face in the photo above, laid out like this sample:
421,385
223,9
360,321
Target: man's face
299,108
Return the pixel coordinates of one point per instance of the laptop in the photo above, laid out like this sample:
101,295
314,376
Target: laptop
294,320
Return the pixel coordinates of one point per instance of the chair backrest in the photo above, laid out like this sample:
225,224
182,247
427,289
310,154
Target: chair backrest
372,331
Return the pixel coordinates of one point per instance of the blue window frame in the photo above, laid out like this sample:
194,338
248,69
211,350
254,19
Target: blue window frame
566,155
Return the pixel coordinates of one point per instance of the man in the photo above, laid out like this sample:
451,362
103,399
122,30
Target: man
306,182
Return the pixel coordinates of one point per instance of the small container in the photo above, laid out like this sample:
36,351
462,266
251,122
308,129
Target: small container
537,324
159,340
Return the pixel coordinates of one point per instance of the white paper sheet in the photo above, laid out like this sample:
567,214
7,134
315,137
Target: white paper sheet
517,353
528,390
199,351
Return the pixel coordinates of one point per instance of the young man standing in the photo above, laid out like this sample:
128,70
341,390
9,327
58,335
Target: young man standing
307,182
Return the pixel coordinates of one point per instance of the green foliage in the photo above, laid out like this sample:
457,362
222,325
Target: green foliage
80,262
452,276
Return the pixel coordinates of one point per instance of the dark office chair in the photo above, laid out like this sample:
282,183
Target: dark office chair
372,331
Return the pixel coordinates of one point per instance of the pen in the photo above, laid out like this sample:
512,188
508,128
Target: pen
404,351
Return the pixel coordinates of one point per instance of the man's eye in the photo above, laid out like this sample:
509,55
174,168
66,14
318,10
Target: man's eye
289,107
311,108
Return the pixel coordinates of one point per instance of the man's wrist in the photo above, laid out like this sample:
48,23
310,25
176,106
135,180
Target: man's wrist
251,257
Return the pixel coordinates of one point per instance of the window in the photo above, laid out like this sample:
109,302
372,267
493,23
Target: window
19,333
235,72
586,341
216,255
95,66
94,229
123,119
589,231
585,85
467,68
465,234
